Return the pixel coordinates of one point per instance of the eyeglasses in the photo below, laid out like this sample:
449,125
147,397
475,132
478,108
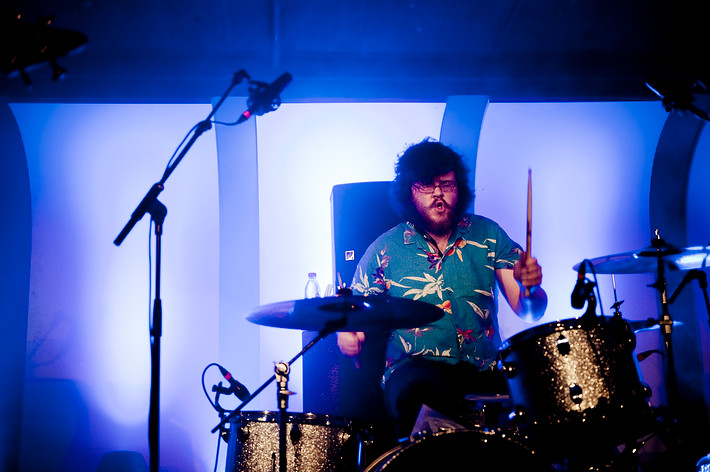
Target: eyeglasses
446,186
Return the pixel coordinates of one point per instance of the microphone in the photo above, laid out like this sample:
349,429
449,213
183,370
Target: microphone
677,96
672,95
579,293
264,97
240,390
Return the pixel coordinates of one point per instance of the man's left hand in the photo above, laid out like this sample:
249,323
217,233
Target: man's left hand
527,271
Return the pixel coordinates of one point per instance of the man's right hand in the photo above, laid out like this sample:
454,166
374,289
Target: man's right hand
350,343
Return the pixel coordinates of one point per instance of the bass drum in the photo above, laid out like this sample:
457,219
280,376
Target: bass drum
315,443
577,380
459,451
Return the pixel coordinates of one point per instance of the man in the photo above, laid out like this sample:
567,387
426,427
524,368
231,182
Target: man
443,256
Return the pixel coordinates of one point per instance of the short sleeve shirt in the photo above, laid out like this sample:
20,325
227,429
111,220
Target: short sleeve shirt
404,262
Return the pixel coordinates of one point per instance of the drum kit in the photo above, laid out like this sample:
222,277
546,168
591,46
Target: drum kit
577,400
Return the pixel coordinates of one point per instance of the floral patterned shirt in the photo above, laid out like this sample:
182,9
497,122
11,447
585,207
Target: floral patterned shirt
405,263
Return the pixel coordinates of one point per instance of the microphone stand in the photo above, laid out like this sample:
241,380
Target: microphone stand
666,324
220,390
158,211
591,312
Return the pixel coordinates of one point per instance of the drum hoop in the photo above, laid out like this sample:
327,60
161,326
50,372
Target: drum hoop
267,416
553,327
485,435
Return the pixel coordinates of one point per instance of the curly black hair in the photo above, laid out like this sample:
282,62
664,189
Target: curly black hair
422,162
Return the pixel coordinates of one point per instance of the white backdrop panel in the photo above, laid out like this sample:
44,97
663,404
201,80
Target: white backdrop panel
89,166
305,149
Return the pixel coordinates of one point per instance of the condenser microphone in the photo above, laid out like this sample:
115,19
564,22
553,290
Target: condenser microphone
240,390
264,97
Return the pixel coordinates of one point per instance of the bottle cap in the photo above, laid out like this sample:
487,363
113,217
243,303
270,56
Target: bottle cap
311,274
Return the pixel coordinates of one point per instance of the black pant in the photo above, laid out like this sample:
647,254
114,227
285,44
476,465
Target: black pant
439,385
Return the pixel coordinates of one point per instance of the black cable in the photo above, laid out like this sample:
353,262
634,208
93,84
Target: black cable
596,283
204,389
182,143
224,123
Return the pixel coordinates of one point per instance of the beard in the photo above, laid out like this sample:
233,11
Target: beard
441,227
437,223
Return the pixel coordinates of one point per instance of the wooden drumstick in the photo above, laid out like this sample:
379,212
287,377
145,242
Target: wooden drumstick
528,233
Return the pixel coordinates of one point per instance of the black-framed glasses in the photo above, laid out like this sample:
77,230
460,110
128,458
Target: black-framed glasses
445,186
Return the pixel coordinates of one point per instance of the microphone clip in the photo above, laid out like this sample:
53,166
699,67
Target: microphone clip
261,100
591,311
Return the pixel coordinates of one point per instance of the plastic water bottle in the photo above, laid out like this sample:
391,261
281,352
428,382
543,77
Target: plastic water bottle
312,286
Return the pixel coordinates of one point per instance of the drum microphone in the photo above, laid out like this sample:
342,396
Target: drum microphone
580,293
240,390
264,97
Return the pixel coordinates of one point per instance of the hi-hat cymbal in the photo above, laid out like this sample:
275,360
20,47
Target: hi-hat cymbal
346,313
649,325
646,260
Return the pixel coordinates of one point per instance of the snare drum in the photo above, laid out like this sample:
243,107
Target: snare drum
314,443
577,377
460,450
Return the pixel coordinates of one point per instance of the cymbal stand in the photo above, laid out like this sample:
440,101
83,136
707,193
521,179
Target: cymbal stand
666,324
282,370
617,303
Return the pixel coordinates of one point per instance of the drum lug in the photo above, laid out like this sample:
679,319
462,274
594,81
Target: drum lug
295,434
563,346
576,394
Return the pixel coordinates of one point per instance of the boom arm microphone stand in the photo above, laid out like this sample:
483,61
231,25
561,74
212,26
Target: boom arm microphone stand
158,211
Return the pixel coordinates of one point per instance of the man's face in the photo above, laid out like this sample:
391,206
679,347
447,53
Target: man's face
436,202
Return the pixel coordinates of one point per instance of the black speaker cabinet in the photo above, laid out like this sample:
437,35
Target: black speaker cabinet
332,385
360,213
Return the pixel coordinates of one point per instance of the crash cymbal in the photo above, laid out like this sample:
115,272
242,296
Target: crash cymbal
646,260
346,313
648,325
